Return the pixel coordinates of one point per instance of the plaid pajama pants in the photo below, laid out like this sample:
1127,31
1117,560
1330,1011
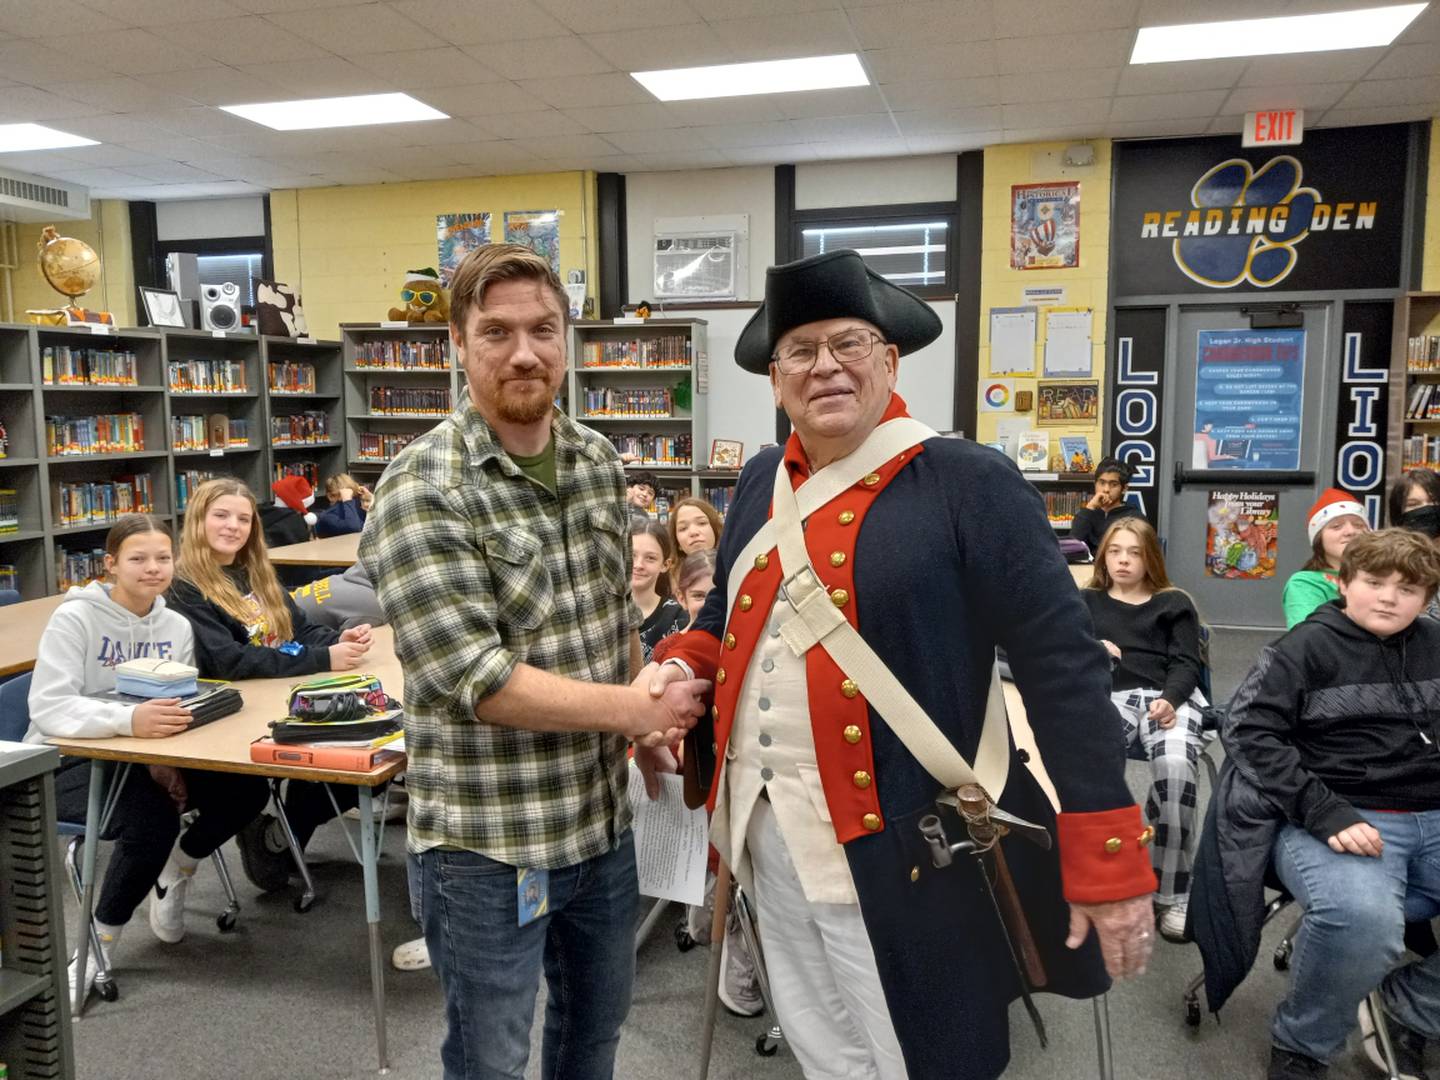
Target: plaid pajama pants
1170,805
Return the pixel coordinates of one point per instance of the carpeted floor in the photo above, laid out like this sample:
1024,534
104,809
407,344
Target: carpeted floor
287,996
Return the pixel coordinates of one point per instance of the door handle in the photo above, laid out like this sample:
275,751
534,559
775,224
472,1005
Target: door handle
1231,477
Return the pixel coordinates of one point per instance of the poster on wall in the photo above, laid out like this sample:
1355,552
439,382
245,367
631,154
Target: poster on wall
456,235
1242,531
1068,403
998,395
539,230
1248,393
1045,226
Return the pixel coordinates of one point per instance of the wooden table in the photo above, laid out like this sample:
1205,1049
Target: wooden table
224,746
24,623
331,551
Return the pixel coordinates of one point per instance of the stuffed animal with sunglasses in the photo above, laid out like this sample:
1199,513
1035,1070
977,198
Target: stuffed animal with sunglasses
425,299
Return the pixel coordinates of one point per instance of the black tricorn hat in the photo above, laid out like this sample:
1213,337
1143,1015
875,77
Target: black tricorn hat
835,285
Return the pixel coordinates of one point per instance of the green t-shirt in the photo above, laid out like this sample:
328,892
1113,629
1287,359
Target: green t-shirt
1307,590
540,467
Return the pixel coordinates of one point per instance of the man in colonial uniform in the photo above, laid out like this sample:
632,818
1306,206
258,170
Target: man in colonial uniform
867,574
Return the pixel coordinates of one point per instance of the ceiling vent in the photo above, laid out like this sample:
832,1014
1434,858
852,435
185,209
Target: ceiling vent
40,200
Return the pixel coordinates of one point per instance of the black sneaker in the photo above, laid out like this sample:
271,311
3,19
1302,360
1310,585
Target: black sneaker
1409,1046
268,871
1287,1066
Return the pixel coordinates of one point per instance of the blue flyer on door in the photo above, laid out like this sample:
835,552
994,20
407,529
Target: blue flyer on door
1248,391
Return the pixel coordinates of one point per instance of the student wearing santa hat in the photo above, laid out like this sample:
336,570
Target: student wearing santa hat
288,520
1334,520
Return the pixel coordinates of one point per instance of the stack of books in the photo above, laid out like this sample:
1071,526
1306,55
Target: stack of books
111,433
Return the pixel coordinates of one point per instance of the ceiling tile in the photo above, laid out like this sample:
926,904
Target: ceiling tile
495,152
33,63
95,177
1314,96
1382,92
1063,17
172,172
350,31
196,121
577,91
1060,133
1152,129
1342,65
50,162
840,151
1183,75
695,159
523,125
483,22
770,155
1168,106
214,85
579,162
261,141
162,12
1384,114
120,93
126,52
1174,12
423,68
942,94
674,140
1093,49
723,136
29,18
938,121
113,128
779,37
605,118
1229,124
567,146
1406,62
598,16
23,104
1058,84
252,169
248,39
116,157
1055,113
171,147
887,25
481,100
832,128
363,174
416,139
739,110
567,53
957,61
953,142
714,10
843,101
1425,28
325,76
694,45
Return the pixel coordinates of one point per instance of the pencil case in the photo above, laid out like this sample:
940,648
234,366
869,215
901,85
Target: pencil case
150,677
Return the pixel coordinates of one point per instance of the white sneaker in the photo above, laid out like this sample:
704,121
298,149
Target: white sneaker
167,909
1172,922
411,956
92,964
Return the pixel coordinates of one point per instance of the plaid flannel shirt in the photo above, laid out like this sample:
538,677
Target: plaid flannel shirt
479,568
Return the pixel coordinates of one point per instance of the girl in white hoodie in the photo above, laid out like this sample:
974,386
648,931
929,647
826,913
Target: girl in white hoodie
96,628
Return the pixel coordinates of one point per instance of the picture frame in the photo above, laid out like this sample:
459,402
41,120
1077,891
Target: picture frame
726,454
162,307
1061,404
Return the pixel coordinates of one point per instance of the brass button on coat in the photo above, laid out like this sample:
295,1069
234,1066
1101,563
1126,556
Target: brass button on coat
839,597
852,734
1113,845
762,561
837,558
1145,837
745,602
720,677
861,778
871,822
729,641
870,479
849,689
847,516
914,873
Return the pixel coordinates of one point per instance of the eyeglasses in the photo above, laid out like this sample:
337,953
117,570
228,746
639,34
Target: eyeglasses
847,347
427,297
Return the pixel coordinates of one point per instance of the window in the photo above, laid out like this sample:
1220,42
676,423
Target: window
910,244
243,268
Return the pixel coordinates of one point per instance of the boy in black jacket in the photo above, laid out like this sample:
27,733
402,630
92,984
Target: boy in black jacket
1338,725
1106,506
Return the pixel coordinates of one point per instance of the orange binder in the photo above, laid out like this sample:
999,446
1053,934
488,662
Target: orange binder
265,751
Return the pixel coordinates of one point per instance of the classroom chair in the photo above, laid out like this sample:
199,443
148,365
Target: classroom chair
14,722
9,596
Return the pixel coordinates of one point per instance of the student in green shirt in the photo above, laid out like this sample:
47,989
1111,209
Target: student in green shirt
1334,520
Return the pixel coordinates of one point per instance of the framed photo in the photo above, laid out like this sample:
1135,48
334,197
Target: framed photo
726,454
162,307
1067,403
1045,226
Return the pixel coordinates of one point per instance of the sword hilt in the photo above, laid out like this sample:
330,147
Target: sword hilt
987,822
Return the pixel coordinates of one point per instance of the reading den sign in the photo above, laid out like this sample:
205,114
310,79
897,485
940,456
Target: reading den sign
1203,215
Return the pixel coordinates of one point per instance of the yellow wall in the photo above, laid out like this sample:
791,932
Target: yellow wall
1086,285
346,249
1430,279
108,232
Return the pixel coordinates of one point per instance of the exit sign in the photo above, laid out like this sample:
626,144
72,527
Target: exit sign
1274,127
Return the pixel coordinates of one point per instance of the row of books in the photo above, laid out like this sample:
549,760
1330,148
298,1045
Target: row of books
404,354
101,502
655,449
9,511
406,400
186,482
110,433
719,496
208,377
65,365
214,432
9,576
1420,451
1424,403
628,403
378,446
1061,506
310,426
670,350
4,441
308,469
78,567
1422,352
288,378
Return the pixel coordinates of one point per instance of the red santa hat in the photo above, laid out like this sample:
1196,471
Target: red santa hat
1333,503
296,493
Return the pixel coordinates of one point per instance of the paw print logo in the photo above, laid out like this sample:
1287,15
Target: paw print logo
1262,259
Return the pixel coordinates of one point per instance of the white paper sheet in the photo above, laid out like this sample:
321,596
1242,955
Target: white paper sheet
671,841
1067,344
1012,341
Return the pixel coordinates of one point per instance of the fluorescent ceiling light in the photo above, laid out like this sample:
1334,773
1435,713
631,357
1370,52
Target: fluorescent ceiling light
337,112
1331,30
14,137
763,77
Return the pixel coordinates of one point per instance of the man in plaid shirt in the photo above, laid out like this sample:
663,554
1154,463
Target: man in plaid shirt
500,551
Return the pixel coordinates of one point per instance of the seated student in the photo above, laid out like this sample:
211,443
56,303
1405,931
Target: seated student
94,629
1334,520
289,519
349,502
1415,502
1105,507
1332,767
640,491
340,601
247,627
650,567
694,526
1152,631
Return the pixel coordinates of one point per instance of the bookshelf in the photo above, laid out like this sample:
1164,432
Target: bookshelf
642,386
22,534
1413,440
399,381
1064,493
304,408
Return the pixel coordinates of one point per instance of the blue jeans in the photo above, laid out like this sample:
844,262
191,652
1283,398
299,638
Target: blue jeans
1352,933
489,967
